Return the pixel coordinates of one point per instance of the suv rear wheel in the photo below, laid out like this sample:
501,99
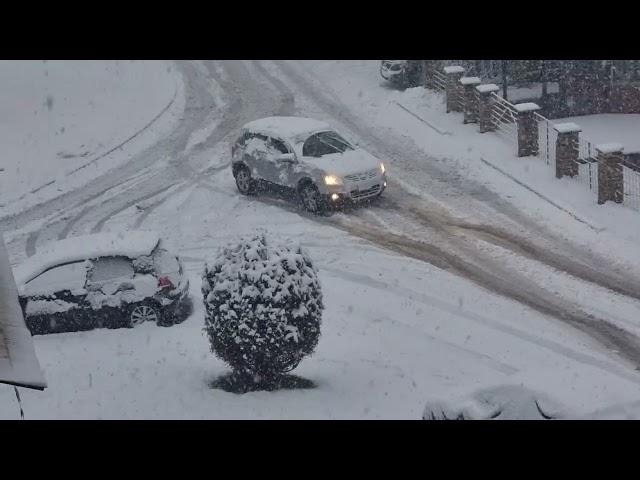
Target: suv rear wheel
246,185
140,313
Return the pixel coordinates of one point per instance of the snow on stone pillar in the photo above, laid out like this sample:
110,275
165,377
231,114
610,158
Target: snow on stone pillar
567,149
610,180
454,73
470,99
485,106
527,129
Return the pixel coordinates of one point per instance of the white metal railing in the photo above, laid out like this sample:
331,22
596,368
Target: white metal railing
631,186
588,164
504,118
547,136
587,157
439,80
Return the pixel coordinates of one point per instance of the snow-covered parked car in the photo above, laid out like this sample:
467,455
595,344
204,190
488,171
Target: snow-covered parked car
405,73
102,280
307,157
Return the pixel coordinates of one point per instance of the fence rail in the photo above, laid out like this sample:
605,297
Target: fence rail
439,80
588,164
547,136
504,118
631,187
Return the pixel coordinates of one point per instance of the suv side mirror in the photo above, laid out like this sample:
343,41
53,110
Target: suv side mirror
286,158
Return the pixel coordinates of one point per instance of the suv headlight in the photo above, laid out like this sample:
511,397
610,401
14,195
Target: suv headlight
332,180
382,169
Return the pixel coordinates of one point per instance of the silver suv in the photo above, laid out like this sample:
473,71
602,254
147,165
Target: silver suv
307,157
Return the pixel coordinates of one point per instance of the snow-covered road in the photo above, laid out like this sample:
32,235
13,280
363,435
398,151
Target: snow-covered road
496,295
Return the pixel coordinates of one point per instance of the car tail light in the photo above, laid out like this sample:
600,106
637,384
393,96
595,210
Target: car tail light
165,284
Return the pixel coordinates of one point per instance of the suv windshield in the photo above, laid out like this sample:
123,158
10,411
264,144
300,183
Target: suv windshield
325,143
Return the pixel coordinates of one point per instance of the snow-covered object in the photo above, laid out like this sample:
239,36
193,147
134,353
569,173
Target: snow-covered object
45,307
568,127
18,362
291,129
454,69
127,244
527,107
610,147
470,80
345,163
502,402
112,294
488,87
263,306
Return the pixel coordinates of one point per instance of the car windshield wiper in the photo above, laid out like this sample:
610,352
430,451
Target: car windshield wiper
335,147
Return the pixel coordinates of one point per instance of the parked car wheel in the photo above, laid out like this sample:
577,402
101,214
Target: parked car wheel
246,185
311,199
140,313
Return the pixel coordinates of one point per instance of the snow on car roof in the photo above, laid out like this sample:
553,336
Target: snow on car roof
287,127
75,249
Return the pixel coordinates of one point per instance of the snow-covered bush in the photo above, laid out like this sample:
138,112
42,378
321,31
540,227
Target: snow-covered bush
263,307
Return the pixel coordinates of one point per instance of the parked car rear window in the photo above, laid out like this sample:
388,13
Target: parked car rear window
105,269
71,276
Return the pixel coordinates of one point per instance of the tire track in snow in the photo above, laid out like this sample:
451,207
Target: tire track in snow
202,97
158,181
486,272
431,301
238,85
110,179
473,264
233,118
489,274
288,99
557,253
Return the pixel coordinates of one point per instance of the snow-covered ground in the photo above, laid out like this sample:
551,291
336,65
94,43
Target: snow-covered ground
472,155
609,128
396,331
62,123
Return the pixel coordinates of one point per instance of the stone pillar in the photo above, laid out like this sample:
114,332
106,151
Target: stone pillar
610,180
470,99
454,73
527,129
567,145
485,106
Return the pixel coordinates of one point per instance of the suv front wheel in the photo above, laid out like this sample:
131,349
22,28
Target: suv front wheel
311,199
